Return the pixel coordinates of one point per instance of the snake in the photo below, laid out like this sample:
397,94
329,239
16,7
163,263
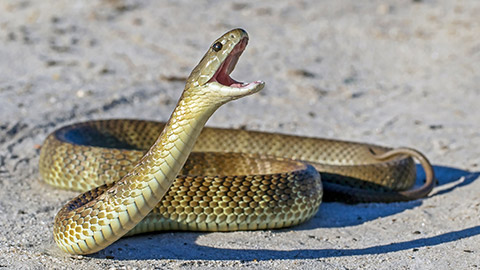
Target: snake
140,176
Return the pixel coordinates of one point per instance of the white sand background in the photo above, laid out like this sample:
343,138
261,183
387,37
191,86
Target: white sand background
395,73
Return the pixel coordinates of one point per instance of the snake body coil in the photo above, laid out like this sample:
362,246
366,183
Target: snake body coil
263,181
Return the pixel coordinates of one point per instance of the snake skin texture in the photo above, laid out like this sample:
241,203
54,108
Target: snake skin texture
135,180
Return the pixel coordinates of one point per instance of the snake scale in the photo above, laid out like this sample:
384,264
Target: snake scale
135,180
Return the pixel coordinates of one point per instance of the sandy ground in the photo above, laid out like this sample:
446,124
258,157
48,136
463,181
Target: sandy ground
395,73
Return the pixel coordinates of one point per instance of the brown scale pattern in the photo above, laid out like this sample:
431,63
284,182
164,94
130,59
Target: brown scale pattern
285,194
353,161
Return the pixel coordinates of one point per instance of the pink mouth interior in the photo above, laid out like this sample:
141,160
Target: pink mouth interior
222,75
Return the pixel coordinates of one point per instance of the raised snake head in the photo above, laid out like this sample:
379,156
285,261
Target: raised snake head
211,76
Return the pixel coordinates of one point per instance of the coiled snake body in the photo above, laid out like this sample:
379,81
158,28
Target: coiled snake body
258,181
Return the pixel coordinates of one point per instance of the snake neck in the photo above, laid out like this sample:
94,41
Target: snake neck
156,171
176,141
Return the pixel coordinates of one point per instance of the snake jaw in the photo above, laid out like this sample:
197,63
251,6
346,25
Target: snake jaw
222,75
212,73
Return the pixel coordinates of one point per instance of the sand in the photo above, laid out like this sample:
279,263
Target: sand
394,73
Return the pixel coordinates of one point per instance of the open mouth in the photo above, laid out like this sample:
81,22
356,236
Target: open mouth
222,76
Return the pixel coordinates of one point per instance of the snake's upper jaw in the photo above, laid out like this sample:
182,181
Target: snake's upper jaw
226,83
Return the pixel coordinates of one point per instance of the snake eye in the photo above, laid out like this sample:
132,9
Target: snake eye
217,46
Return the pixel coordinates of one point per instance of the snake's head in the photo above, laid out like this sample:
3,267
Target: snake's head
213,72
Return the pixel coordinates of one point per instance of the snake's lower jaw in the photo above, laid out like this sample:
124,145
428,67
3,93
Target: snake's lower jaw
237,91
248,88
